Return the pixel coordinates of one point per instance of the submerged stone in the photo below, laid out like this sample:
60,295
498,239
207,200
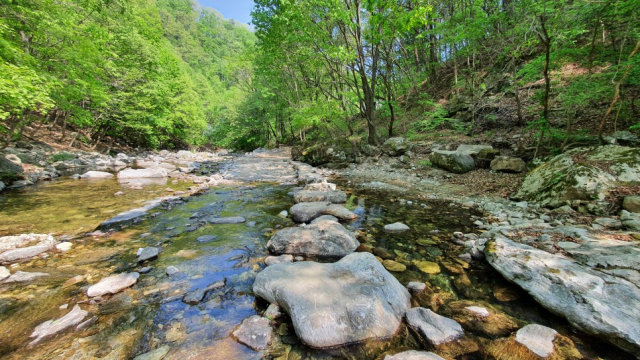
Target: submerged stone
537,338
436,329
414,355
113,284
226,220
157,354
52,327
255,332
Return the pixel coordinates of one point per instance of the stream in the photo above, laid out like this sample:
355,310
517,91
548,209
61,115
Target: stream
152,314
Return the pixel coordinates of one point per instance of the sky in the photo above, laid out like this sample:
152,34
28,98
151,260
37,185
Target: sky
239,10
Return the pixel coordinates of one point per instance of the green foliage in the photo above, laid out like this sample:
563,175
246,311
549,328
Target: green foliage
425,163
61,156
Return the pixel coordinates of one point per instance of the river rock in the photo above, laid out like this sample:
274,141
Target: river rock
157,354
206,238
113,284
52,327
154,173
332,154
172,270
336,196
147,253
395,146
44,243
582,176
394,266
2,186
396,227
508,164
96,175
537,338
323,238
226,220
414,355
631,204
435,328
348,301
272,260
452,161
416,287
10,169
320,186
305,212
255,332
630,220
427,267
194,297
22,276
4,273
595,302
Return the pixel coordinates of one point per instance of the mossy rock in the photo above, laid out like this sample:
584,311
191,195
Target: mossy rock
330,154
583,177
495,325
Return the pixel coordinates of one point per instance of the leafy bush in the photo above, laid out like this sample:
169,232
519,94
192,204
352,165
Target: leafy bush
61,156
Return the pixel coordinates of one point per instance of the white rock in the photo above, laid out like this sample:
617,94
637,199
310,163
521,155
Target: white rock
396,227
113,284
480,311
537,338
435,328
96,175
4,273
52,327
22,276
414,355
64,246
142,173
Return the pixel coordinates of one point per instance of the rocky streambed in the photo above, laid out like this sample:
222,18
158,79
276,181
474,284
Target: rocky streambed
263,257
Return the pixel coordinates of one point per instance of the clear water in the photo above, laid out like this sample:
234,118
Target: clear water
151,313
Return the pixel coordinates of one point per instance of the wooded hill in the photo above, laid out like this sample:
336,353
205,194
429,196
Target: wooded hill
166,73
147,73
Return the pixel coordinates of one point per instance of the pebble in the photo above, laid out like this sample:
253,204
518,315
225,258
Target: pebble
172,270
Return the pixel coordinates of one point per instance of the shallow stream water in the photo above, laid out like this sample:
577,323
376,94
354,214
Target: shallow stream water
152,313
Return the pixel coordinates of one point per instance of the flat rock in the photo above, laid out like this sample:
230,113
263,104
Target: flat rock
413,355
305,212
64,246
96,175
427,267
194,297
396,227
435,328
153,173
23,276
226,220
131,215
336,196
339,303
24,253
537,338
113,284
255,332
157,354
52,327
320,186
206,238
148,253
25,246
479,311
272,260
595,302
323,238
172,270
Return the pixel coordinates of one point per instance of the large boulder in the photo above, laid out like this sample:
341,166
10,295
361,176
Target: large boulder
594,301
582,178
307,211
508,164
335,196
395,146
631,204
9,171
331,154
349,301
153,173
321,238
453,161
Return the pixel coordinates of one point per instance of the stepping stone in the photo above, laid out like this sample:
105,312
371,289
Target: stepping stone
307,211
323,238
336,197
339,303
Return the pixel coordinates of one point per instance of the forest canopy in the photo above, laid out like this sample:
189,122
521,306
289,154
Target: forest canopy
168,73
